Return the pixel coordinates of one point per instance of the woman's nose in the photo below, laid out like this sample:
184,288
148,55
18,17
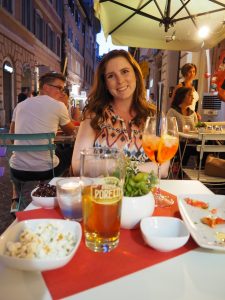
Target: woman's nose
119,78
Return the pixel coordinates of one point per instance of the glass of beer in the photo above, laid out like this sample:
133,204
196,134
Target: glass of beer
102,177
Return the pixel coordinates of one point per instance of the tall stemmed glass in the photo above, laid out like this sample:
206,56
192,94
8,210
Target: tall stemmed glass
160,142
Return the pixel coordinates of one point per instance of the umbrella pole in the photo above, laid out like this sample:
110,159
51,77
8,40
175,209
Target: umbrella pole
159,107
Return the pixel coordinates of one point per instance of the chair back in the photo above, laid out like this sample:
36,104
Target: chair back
7,140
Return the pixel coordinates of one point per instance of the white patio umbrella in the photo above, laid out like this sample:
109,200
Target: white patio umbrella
162,24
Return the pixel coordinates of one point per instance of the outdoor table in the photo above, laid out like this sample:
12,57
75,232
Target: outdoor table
196,274
65,139
197,136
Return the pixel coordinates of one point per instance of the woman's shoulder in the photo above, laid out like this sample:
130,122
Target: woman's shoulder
180,84
87,114
173,110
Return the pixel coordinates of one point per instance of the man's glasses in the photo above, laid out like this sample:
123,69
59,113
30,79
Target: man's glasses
61,89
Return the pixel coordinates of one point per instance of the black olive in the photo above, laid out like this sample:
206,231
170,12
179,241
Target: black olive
45,190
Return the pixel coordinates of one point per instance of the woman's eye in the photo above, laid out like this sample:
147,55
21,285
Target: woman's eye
109,76
125,71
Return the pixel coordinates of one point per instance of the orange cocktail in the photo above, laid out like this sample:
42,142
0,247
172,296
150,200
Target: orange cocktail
160,149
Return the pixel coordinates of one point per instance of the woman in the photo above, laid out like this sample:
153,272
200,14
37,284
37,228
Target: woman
116,111
189,72
180,108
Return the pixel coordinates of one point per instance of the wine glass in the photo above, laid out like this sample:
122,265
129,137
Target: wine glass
160,143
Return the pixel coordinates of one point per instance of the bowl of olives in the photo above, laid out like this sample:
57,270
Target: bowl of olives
44,195
138,201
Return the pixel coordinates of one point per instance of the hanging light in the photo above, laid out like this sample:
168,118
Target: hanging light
203,32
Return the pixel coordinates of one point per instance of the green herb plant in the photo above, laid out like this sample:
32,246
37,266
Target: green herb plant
137,183
200,125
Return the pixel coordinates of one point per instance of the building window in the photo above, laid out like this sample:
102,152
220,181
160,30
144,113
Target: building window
50,38
8,5
27,14
83,28
70,34
89,77
59,7
39,28
77,70
77,18
86,73
77,45
71,5
58,46
46,34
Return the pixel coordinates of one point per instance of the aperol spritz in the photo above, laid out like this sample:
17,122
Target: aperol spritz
160,143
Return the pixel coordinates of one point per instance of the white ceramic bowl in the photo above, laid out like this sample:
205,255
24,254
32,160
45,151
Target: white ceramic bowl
136,208
45,202
38,264
164,233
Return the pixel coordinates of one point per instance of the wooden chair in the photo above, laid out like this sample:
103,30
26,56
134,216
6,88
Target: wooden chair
218,147
7,140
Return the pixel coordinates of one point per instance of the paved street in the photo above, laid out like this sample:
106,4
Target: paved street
6,194
5,197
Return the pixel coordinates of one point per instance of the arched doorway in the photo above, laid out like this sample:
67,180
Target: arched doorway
7,91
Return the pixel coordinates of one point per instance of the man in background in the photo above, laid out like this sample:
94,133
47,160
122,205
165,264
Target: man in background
41,114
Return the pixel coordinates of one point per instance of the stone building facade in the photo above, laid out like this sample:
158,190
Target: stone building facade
39,36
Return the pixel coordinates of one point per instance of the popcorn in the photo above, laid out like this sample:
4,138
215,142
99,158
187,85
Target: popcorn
46,241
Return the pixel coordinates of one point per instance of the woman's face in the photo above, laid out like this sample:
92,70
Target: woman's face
191,74
120,78
188,98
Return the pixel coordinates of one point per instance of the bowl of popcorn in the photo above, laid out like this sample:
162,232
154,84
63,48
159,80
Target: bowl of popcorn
40,245
44,195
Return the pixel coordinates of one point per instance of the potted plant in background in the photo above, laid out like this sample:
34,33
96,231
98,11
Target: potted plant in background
201,126
138,201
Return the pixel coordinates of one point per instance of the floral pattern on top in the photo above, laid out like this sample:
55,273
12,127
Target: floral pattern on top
113,133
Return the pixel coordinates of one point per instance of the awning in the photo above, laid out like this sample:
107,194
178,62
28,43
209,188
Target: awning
162,24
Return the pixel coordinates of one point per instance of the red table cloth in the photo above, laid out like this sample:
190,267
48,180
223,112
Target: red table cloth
88,269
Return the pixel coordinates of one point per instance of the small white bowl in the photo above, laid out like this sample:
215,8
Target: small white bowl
45,202
164,233
38,264
136,208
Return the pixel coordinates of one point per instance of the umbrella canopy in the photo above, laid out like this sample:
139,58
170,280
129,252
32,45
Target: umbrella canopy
162,24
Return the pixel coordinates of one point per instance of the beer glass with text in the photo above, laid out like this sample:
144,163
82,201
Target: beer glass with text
102,177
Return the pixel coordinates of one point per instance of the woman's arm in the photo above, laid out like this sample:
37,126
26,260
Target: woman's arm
85,139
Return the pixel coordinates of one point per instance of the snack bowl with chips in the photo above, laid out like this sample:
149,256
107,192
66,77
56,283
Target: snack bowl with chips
164,233
40,245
